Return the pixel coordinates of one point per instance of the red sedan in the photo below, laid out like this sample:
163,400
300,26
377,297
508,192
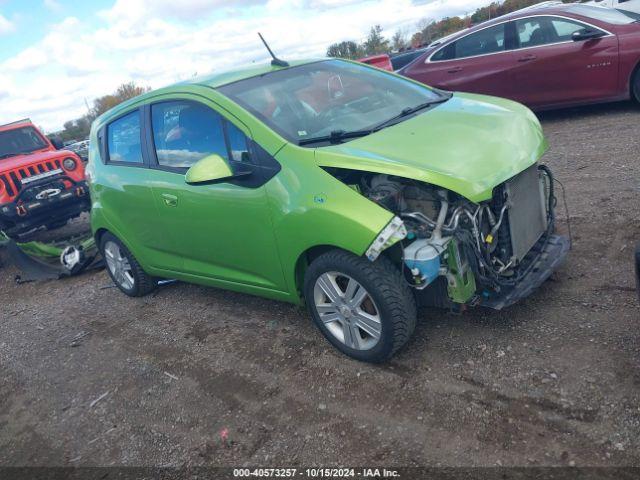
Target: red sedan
546,56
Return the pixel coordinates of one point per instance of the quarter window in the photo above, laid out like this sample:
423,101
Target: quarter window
185,132
238,144
124,139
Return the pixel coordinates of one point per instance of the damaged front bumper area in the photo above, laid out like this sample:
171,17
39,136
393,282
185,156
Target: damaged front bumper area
391,234
44,204
457,253
549,253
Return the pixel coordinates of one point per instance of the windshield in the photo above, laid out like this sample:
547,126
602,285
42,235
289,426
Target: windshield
608,15
317,99
19,141
634,15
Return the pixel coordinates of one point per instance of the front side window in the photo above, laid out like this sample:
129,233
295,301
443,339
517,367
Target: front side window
20,141
536,31
123,137
316,99
564,29
185,132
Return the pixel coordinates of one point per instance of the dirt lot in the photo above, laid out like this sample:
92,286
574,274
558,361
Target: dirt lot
552,381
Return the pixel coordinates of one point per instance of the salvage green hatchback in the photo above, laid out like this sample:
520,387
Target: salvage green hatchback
363,194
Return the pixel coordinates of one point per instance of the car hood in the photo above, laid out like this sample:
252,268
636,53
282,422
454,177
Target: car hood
469,144
20,161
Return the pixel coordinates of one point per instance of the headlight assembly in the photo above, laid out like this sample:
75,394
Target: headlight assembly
69,164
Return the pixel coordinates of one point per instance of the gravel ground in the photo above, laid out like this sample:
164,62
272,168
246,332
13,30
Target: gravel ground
197,376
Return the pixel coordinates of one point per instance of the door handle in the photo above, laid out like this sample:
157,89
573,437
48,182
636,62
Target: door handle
455,70
169,200
527,58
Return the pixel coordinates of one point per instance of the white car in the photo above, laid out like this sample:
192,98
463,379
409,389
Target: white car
628,5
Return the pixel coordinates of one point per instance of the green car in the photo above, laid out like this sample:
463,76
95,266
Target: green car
355,191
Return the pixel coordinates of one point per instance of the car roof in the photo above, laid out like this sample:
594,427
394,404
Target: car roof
547,8
213,80
18,124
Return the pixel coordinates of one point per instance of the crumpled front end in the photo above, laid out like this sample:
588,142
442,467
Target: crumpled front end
456,252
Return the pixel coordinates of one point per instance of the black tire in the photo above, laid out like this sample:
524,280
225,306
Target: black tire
143,283
635,86
392,298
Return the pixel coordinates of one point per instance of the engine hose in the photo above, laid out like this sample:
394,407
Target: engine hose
552,196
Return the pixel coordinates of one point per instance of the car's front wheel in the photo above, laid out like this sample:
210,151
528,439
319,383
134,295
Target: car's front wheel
124,269
365,309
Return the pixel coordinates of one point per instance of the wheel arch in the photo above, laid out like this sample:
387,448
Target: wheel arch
306,258
394,253
99,233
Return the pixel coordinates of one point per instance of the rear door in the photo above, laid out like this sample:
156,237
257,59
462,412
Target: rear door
125,190
475,63
550,68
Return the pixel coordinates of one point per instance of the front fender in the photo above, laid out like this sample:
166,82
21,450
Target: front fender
312,208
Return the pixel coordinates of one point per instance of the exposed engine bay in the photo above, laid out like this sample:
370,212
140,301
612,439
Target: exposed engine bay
482,251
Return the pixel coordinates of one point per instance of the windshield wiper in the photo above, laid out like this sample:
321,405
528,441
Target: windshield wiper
336,136
409,111
7,155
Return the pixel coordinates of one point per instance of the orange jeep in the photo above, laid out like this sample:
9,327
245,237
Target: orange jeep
40,185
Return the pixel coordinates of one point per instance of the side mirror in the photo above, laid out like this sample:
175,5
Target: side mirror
57,143
586,34
213,169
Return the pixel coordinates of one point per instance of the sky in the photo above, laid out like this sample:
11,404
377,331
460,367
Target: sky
56,56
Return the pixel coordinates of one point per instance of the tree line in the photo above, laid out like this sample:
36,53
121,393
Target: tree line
78,129
428,31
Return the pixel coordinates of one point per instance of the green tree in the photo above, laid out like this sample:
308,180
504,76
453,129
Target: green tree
347,49
399,41
78,129
375,42
123,93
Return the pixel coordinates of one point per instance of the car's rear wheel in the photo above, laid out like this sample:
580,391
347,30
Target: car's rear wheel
365,309
635,85
124,269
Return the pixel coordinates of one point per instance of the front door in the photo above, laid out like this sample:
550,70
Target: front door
550,68
220,231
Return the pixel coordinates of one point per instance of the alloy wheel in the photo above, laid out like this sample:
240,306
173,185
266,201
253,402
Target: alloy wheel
347,310
118,265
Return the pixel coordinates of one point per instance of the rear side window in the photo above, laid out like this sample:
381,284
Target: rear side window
123,138
483,42
446,53
185,132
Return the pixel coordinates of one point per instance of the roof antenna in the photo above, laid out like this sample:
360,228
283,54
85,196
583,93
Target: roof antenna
276,62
